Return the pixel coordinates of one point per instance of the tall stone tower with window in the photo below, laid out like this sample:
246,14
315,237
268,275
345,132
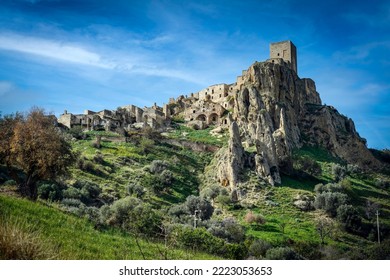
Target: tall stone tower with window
285,50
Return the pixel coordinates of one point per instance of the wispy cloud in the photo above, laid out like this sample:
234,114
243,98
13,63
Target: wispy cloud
114,60
52,50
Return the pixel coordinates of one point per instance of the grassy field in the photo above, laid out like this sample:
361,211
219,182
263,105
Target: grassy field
64,236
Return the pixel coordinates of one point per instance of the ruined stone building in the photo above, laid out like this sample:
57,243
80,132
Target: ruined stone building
125,117
209,106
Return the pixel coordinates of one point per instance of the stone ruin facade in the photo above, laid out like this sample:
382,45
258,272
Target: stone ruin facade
210,106
125,117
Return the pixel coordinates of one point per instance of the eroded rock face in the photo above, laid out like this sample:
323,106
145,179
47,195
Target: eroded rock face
231,160
326,127
274,112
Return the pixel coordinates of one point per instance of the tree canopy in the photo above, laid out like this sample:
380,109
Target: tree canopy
33,149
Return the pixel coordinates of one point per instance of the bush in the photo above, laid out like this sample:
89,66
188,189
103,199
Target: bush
252,218
201,239
282,253
382,183
180,213
87,192
330,201
50,191
353,169
259,248
330,187
98,158
132,215
137,190
308,165
90,193
158,166
166,177
349,217
228,229
9,183
197,203
72,192
211,193
72,202
338,171
308,249
77,132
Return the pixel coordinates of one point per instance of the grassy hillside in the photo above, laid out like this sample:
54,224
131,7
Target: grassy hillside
149,186
56,235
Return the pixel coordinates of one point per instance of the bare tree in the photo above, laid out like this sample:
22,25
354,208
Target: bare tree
325,227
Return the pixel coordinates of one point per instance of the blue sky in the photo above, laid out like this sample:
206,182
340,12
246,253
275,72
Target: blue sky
89,54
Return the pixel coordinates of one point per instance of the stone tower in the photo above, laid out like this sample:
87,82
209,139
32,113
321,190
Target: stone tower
285,50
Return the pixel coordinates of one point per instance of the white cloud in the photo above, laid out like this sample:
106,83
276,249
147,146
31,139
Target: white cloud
51,49
142,62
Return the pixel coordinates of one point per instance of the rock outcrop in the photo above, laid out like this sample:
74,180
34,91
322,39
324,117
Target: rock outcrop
231,159
275,112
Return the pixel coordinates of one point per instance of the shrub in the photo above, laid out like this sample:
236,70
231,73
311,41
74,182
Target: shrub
338,171
50,191
282,253
349,217
137,190
353,169
330,201
72,202
9,183
228,229
330,187
90,192
308,165
72,192
77,132
259,248
98,158
154,182
132,215
252,218
158,166
166,177
308,249
382,183
211,193
197,203
201,239
179,212
146,145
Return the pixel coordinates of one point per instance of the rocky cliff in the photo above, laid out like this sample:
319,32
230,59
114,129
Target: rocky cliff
275,112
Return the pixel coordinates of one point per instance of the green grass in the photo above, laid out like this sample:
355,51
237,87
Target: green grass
198,136
125,163
74,238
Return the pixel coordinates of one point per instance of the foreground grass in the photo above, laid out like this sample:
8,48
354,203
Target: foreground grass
68,237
